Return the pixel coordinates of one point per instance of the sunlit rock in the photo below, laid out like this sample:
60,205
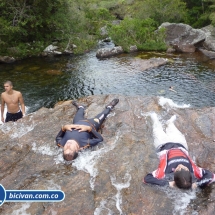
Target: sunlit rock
170,50
50,48
66,51
108,52
144,64
182,33
108,178
133,48
209,42
7,59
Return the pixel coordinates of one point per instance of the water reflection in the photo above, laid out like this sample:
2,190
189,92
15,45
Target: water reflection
44,81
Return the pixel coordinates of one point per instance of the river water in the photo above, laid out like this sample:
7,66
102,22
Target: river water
45,81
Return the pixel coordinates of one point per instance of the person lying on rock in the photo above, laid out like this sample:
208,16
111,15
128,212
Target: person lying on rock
176,168
83,133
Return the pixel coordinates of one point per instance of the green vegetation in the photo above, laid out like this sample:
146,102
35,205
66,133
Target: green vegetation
138,32
31,23
162,10
28,26
196,13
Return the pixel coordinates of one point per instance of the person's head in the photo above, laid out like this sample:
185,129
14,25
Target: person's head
8,86
68,155
183,177
70,151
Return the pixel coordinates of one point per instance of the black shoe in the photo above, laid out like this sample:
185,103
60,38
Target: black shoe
77,105
113,103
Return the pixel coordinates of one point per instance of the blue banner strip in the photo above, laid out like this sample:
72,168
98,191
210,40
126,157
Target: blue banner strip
34,195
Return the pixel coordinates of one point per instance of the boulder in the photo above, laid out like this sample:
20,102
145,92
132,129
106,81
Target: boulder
144,64
210,54
133,48
187,48
7,59
170,50
50,48
106,179
209,42
183,36
108,52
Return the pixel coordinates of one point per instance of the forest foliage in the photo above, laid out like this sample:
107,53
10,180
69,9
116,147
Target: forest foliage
139,32
28,26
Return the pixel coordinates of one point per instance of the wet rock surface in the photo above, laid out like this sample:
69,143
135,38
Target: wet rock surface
108,178
144,64
207,53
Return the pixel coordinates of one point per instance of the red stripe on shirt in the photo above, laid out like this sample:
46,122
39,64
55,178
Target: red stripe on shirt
175,153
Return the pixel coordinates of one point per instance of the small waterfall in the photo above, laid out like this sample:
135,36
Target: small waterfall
87,160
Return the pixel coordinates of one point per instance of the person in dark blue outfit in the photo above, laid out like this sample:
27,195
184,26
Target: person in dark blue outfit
83,133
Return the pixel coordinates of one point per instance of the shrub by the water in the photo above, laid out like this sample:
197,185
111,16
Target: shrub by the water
141,33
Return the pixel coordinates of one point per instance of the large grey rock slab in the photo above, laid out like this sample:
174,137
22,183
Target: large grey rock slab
182,34
144,64
108,178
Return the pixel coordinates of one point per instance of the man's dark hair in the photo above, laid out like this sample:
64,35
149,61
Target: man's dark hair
70,156
183,179
8,82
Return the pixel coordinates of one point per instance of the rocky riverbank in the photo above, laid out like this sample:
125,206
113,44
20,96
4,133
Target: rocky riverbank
179,38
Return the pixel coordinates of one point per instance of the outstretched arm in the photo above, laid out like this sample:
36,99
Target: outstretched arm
59,136
207,178
97,138
150,179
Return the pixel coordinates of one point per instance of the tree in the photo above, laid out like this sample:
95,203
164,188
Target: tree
211,10
30,25
161,10
197,15
141,33
25,21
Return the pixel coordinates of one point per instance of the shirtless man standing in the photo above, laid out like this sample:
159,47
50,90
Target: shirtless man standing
12,99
